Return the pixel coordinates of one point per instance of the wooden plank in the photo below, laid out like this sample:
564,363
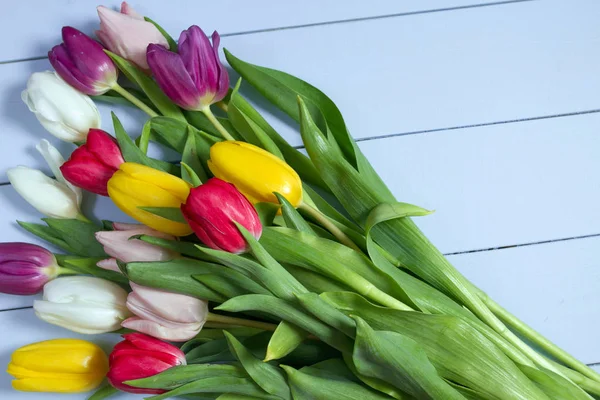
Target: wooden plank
553,287
44,19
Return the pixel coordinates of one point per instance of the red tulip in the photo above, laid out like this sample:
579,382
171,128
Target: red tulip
94,163
211,210
141,356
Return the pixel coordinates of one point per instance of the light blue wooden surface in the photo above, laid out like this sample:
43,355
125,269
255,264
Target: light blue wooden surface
412,78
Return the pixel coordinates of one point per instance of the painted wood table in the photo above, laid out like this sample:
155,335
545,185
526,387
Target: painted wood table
486,111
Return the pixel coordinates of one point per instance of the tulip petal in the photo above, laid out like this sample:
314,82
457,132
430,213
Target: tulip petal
223,80
64,65
173,78
109,264
80,317
128,10
128,34
144,342
198,57
87,289
105,148
159,331
55,160
118,244
58,200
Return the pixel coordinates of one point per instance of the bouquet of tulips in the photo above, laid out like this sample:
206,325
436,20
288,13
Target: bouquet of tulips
256,271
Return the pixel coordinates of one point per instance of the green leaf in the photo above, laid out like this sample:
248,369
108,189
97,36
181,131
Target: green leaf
292,217
183,374
270,378
327,313
46,233
190,157
79,236
286,338
266,212
222,384
283,90
314,281
554,385
144,139
170,40
375,383
132,153
114,97
88,266
388,211
148,86
253,127
189,175
288,312
230,396
400,361
231,284
104,392
251,131
174,133
170,213
459,352
175,276
310,387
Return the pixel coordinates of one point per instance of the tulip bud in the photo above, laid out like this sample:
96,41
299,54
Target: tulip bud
63,111
82,63
60,199
141,356
58,366
195,78
212,210
164,315
118,244
83,304
128,34
255,172
25,268
135,185
94,163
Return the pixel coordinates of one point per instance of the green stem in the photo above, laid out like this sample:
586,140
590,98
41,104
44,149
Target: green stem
330,226
66,271
137,102
232,321
535,337
211,117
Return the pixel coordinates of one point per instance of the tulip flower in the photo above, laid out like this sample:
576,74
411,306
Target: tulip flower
83,304
63,111
58,366
128,34
195,78
164,315
212,210
141,356
255,172
82,63
60,199
134,186
94,163
25,268
118,245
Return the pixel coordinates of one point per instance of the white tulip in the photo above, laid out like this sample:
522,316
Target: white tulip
65,112
83,304
55,198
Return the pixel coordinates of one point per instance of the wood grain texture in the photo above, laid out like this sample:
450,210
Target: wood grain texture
44,19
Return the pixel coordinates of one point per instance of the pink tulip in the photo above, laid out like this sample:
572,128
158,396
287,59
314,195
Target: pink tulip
127,34
118,245
164,315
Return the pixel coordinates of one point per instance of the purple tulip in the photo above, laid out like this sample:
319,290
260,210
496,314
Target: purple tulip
195,78
25,268
82,63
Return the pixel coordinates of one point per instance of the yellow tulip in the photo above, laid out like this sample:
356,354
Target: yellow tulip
135,185
58,366
255,172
